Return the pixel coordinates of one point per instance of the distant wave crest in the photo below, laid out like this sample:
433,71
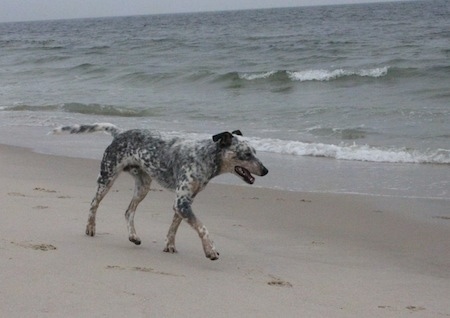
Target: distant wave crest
314,74
87,109
325,75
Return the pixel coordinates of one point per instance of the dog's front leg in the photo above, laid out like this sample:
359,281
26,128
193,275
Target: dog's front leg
183,208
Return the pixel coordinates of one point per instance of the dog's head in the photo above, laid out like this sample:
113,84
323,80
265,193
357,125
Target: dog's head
238,157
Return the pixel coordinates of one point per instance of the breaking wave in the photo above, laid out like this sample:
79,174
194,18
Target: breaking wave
310,75
352,152
324,75
88,109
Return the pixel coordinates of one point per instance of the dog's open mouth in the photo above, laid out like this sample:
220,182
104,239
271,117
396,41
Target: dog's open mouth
244,174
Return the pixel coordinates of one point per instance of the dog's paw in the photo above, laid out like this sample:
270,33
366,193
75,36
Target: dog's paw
212,254
90,229
210,251
170,248
135,239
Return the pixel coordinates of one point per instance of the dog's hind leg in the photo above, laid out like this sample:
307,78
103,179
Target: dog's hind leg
104,184
142,186
170,240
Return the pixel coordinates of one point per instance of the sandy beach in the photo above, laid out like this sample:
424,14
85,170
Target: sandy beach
282,254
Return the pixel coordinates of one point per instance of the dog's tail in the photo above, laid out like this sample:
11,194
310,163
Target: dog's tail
79,129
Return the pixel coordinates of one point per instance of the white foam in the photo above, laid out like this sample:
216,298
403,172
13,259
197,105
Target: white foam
318,74
375,72
251,77
327,75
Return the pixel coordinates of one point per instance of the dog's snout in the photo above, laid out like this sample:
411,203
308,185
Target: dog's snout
264,171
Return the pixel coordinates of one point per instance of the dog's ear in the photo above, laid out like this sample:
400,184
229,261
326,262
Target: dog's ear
237,132
224,139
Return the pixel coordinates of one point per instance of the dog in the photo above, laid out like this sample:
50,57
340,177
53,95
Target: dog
181,165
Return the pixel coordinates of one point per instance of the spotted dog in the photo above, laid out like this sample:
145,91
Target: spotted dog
184,166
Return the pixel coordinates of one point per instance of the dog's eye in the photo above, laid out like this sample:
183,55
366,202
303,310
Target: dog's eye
246,156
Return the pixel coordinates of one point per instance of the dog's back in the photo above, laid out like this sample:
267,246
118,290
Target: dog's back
165,159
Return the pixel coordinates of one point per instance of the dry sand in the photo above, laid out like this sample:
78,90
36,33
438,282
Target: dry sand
282,254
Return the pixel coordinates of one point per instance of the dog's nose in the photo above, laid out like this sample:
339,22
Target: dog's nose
264,172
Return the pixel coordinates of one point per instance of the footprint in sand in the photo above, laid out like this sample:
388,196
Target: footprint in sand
250,198
415,308
441,217
51,191
16,194
410,308
44,190
37,247
276,281
142,269
40,207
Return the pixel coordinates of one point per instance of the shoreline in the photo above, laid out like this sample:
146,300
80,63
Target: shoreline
281,252
293,173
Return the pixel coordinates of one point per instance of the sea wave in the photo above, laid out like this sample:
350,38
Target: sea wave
257,76
142,78
326,75
352,152
315,74
88,109
342,133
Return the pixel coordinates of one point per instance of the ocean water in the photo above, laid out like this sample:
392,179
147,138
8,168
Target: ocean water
349,98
